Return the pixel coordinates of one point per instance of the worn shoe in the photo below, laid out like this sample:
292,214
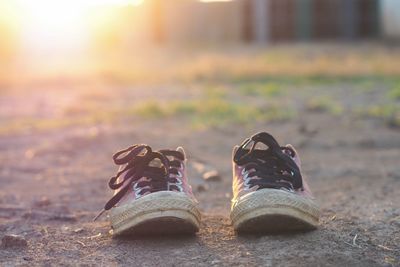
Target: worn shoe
269,193
152,194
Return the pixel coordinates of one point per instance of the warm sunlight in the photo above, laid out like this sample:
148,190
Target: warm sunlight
57,13
56,29
49,17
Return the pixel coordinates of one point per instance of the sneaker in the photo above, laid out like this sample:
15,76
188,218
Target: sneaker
152,194
269,192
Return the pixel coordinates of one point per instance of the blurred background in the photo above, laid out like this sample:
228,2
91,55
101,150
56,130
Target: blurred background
92,61
89,62
43,39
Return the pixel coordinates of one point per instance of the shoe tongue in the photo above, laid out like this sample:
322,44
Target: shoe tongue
182,151
156,163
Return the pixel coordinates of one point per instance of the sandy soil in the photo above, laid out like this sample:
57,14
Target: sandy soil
53,182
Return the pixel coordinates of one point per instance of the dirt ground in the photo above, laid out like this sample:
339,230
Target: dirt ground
53,179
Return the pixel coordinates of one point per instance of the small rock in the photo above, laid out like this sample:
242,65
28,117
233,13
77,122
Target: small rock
201,188
212,176
9,241
42,202
307,130
27,258
215,262
30,153
78,230
199,167
65,229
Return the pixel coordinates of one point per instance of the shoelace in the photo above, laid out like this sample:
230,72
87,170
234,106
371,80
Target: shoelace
137,159
275,168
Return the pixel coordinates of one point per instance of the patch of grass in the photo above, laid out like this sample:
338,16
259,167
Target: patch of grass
365,86
389,113
277,113
268,89
324,104
151,109
394,93
220,112
182,108
215,92
213,112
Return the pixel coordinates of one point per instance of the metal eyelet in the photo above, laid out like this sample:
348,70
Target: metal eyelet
287,189
179,175
137,190
246,180
245,176
246,184
180,187
178,184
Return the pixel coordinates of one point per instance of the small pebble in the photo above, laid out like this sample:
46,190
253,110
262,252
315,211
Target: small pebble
29,154
212,176
78,230
43,202
201,188
307,130
9,241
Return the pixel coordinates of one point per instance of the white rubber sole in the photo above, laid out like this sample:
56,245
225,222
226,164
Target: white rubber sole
161,212
274,211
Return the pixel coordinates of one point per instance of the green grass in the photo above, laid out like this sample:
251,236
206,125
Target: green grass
216,107
151,110
214,91
389,113
213,112
267,89
324,104
394,93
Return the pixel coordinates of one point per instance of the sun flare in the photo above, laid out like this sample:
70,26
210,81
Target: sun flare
56,28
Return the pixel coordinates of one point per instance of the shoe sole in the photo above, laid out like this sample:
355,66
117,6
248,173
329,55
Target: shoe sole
274,211
156,214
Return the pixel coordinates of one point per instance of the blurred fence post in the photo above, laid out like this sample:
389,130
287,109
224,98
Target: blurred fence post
261,21
282,19
368,24
390,18
349,19
304,19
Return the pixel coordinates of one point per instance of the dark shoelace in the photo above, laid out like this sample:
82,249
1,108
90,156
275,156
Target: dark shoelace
275,168
137,160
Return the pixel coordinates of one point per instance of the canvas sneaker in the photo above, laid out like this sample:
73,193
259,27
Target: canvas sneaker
269,192
152,194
